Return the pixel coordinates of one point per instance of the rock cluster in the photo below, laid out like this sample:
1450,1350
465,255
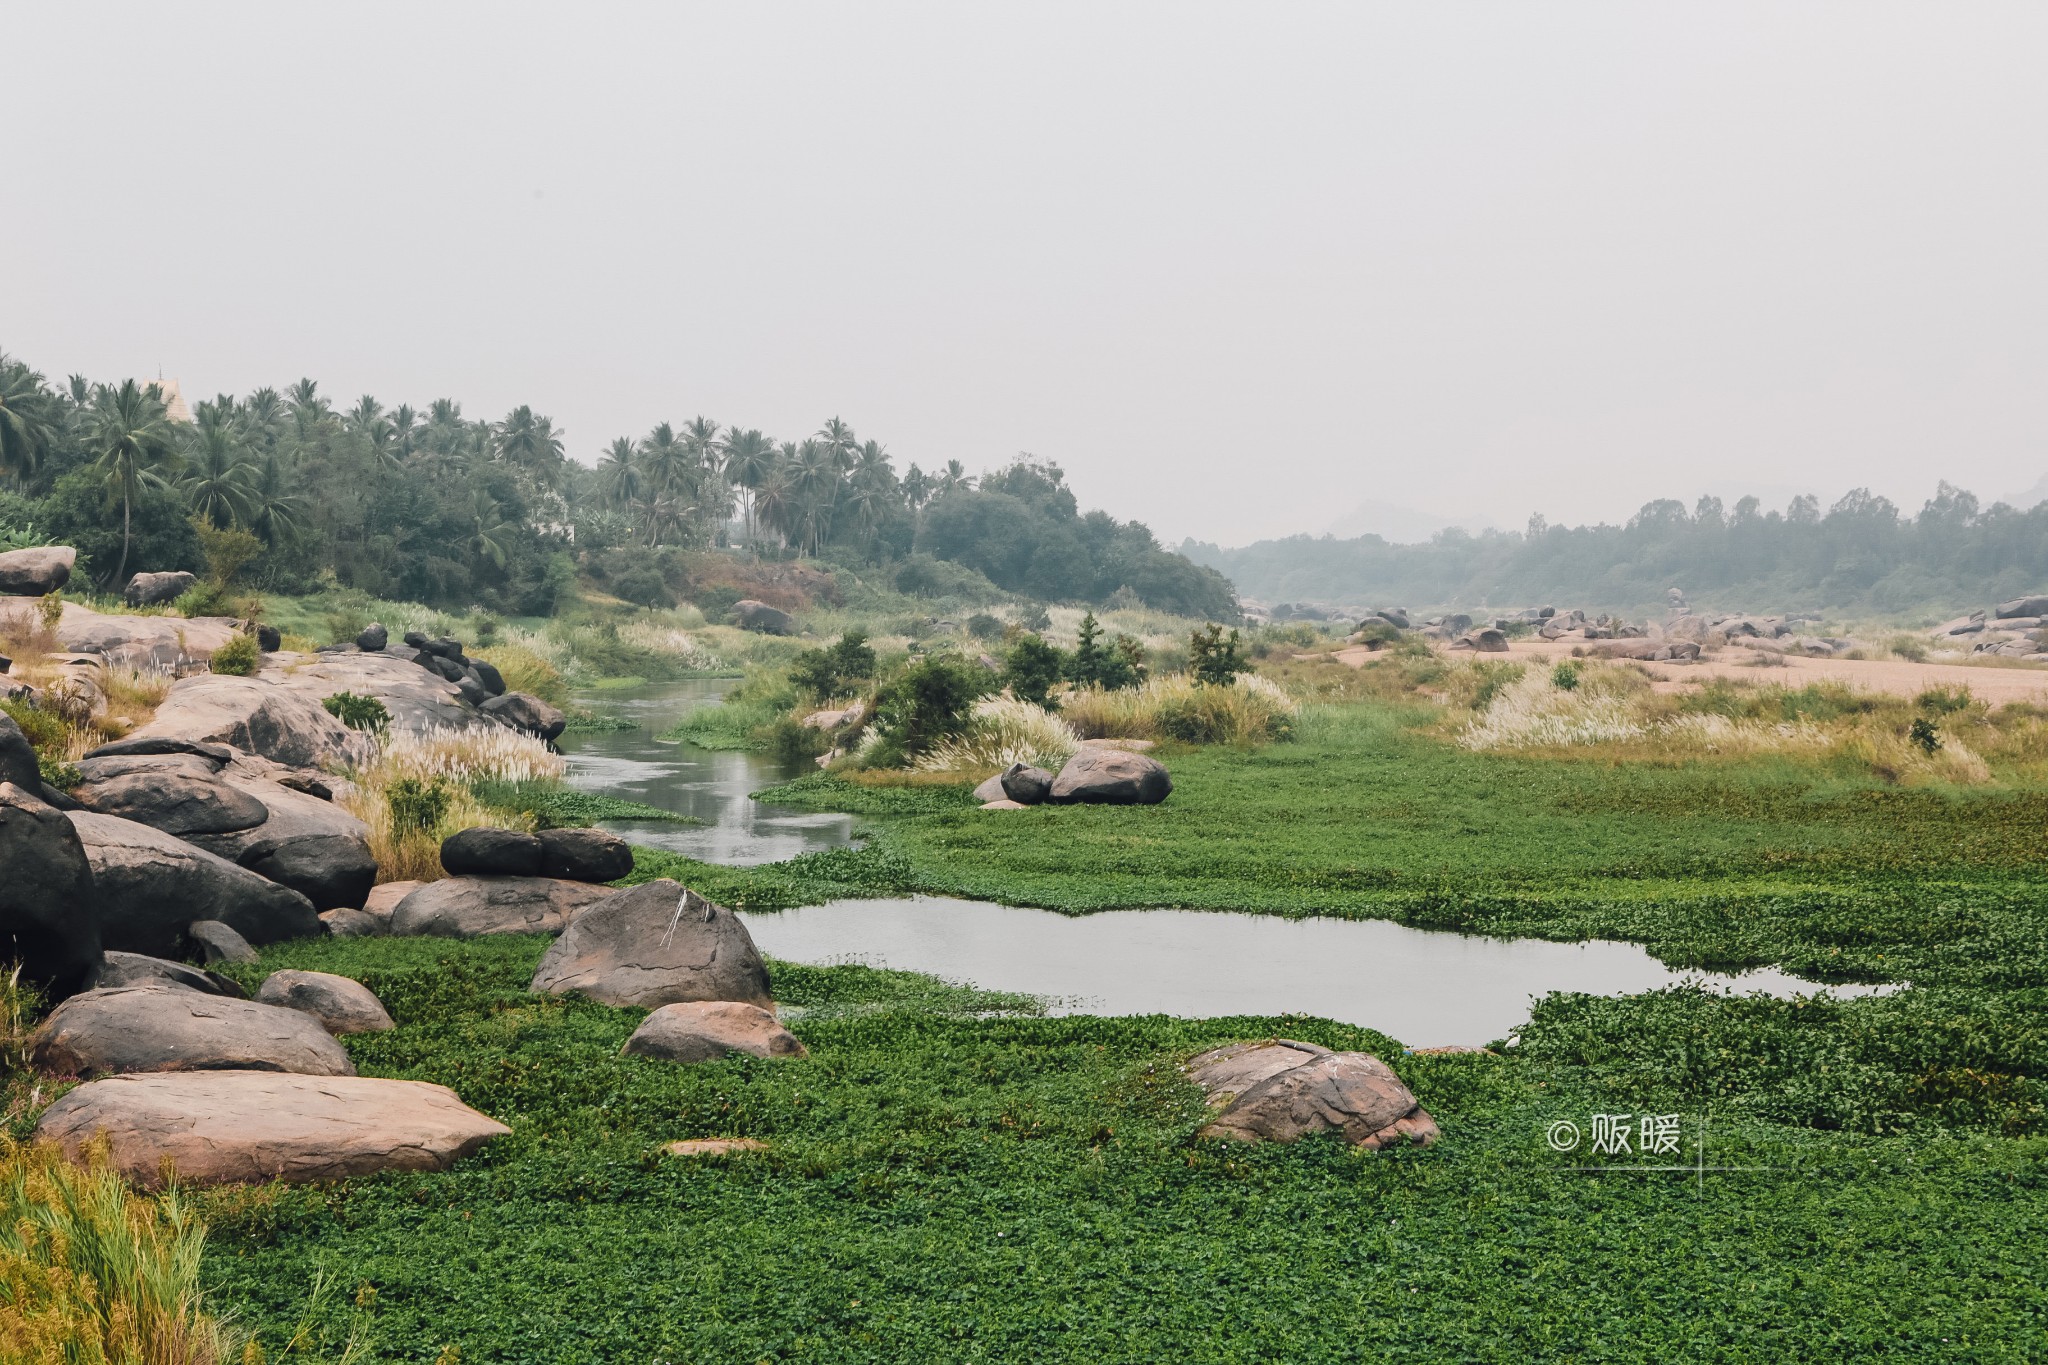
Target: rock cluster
1099,773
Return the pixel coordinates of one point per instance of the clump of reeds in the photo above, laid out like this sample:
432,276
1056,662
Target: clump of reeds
657,638
1003,731
526,669
1248,710
422,788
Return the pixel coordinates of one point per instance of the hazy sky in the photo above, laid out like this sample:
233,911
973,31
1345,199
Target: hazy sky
1237,268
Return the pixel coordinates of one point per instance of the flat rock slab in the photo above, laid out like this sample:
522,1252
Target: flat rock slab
707,1030
464,907
162,1027
263,715
1281,1090
135,969
247,1127
339,1004
655,944
175,803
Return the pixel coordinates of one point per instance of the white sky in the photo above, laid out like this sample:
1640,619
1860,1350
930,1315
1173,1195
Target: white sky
1238,268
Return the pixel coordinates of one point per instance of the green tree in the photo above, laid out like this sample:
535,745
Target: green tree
833,671
28,419
1032,668
220,479
929,701
1215,658
618,475
132,445
749,459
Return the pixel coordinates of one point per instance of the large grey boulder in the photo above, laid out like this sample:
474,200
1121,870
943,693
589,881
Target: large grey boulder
1115,777
655,944
151,589
137,969
18,757
170,765
1027,786
175,803
155,1026
49,909
310,845
584,855
163,746
991,790
36,572
339,1004
527,713
464,907
165,643
373,638
1281,1090
257,715
706,1030
759,616
150,885
226,1127
2022,606
483,851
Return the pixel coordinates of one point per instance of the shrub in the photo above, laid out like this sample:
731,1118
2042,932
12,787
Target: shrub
1035,617
929,702
792,741
238,658
1214,657
1565,676
833,671
358,712
525,670
1909,647
1003,731
417,806
1031,669
1121,663
1378,634
1247,710
1923,735
204,599
985,627
1944,701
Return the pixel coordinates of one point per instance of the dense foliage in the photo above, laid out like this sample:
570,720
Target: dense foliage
1862,554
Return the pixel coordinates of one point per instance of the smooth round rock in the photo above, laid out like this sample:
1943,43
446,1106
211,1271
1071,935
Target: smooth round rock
487,852
584,855
157,1026
340,1004
706,1030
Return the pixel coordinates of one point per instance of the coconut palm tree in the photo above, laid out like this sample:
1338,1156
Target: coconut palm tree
871,489
749,457
917,488
264,416
775,498
953,476
133,444
28,418
219,485
839,440
405,430
272,512
665,461
490,534
309,409
618,474
815,475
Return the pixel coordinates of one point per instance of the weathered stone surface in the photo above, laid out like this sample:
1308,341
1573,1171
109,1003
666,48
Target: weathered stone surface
488,675
483,851
179,804
655,944
1281,1090
1004,804
160,642
341,1005
156,1026
136,969
218,942
308,844
759,616
149,885
384,898
706,1030
417,700
149,589
161,746
373,638
287,725
225,1127
1027,786
18,757
49,910
172,765
584,855
1111,777
991,790
343,922
34,572
2019,606
463,907
527,713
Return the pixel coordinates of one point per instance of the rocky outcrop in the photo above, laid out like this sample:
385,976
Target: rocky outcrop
482,851
759,616
284,724
1110,777
149,886
1281,1090
49,909
527,713
139,969
584,855
1029,786
655,944
18,757
339,1004
166,643
384,898
346,923
464,907
155,1026
250,1127
312,846
372,638
177,803
706,1030
153,589
35,572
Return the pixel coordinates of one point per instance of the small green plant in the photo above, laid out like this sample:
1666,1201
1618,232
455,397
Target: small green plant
985,627
1565,677
238,658
1216,658
1944,701
417,807
204,599
50,608
1924,736
1031,669
1111,666
832,671
358,712
929,701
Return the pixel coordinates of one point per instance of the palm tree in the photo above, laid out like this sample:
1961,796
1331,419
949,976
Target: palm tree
309,409
816,478
871,490
367,420
27,418
618,474
665,460
272,511
405,429
917,488
219,486
490,534
775,497
529,442
953,476
264,415
132,442
840,442
749,456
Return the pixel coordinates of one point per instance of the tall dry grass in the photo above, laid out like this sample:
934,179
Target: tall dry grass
450,762
1250,710
1003,731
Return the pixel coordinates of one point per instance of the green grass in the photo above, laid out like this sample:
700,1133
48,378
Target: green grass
556,805
948,1185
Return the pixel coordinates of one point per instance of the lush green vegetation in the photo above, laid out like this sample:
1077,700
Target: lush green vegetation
949,1185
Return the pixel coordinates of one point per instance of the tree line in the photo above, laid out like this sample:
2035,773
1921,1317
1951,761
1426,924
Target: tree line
429,505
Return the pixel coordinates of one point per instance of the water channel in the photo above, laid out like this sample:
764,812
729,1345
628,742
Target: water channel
1427,988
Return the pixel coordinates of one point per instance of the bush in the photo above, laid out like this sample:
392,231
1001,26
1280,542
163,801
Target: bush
833,671
417,806
1035,617
1215,658
238,658
985,627
358,712
1031,669
1248,710
1565,676
204,599
924,576
716,600
792,741
1121,663
1378,634
928,702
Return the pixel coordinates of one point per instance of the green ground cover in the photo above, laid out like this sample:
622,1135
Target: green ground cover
949,1184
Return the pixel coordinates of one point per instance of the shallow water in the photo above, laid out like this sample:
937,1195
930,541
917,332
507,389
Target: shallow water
1425,987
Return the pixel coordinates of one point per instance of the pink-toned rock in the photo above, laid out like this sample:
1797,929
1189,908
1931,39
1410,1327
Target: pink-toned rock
222,1127
654,944
1281,1090
714,1146
706,1030
1004,803
159,1026
384,898
1113,777
339,1004
463,907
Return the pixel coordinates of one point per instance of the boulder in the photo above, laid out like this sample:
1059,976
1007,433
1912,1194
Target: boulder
346,923
415,639
1393,616
991,790
1004,803
446,647
706,1030
36,572
1488,640
160,746
338,1003
528,713
373,638
384,898
156,1026
95,770
149,885
488,676
486,852
18,762
218,942
136,969
759,616
257,715
308,844
1282,1090
251,1127
2019,606
464,907
1110,777
584,855
180,804
49,908
163,643
1029,786
419,701
269,639
655,944
151,589
823,720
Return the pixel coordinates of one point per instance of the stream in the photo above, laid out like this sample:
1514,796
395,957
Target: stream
1425,987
